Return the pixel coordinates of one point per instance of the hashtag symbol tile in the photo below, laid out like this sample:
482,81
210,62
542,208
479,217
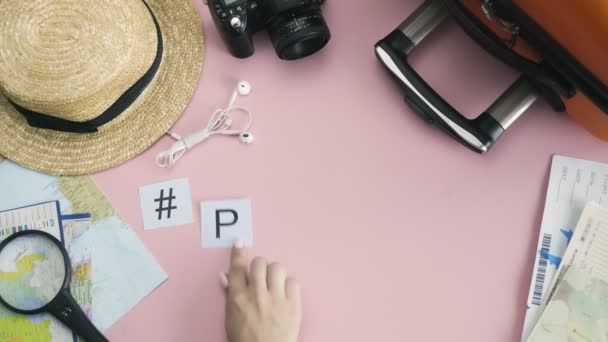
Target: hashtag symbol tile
169,204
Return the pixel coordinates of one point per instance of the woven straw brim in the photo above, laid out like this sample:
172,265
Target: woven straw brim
146,120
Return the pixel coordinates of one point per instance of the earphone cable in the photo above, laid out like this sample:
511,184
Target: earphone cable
219,124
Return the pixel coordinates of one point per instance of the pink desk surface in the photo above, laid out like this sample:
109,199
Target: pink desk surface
395,231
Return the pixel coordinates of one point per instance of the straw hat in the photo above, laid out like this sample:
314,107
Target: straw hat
87,84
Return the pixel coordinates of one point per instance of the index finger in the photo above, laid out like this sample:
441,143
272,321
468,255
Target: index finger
237,276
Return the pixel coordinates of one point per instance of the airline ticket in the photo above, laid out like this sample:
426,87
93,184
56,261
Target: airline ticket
572,183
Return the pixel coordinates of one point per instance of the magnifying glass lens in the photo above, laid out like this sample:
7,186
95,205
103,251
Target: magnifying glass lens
32,272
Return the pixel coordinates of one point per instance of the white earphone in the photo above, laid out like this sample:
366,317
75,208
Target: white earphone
220,123
244,88
246,138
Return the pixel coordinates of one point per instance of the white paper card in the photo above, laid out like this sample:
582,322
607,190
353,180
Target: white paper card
222,222
166,204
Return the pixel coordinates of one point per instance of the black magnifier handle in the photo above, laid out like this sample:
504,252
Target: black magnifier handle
65,308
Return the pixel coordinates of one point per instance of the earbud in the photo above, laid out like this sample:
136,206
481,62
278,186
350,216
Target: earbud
244,88
246,138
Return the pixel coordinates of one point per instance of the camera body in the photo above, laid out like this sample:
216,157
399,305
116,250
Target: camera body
296,27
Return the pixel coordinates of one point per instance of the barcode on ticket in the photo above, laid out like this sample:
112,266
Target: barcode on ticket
541,270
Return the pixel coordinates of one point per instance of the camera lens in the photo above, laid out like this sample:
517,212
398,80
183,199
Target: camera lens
298,35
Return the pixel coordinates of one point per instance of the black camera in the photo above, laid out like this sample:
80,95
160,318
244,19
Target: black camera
296,27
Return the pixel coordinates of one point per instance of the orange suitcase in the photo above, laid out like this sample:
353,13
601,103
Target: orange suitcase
560,47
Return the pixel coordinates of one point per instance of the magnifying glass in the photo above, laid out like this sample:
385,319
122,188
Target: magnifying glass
37,272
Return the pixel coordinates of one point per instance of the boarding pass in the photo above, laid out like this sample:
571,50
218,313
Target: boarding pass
572,183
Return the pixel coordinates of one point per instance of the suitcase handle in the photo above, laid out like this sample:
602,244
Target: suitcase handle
480,133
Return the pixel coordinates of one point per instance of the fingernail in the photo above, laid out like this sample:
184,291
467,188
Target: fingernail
224,280
238,243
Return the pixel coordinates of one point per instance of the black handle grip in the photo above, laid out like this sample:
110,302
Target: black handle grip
478,134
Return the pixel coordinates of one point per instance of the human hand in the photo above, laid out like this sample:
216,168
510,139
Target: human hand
263,307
